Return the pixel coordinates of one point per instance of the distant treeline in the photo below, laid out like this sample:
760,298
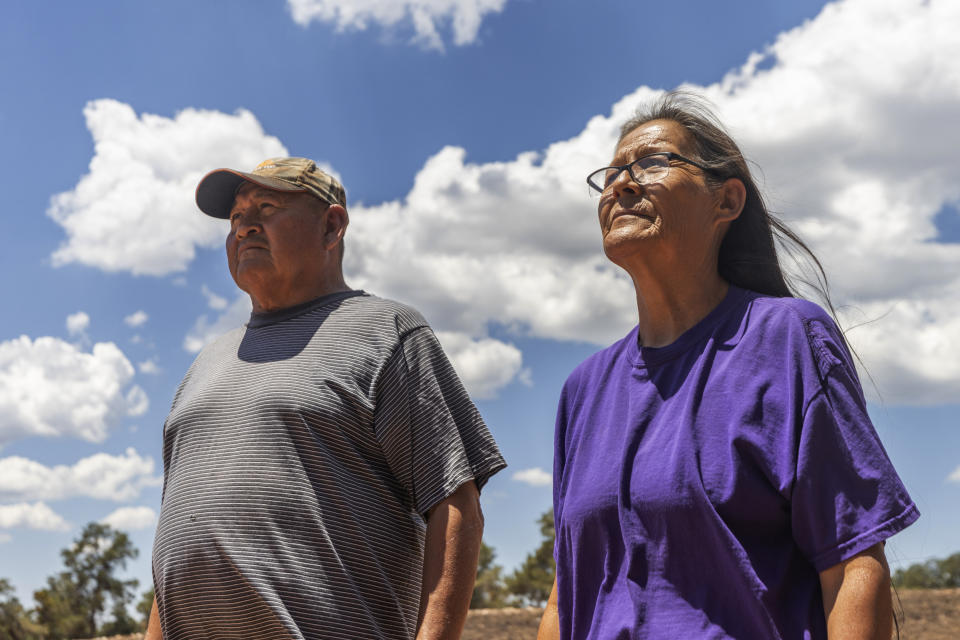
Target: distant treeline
529,585
932,574
88,599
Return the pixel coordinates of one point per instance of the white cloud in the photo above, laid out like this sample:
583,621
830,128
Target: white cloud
149,367
5,537
849,126
213,300
955,476
427,17
49,387
535,477
849,123
136,319
131,518
77,323
134,210
31,516
204,331
485,365
101,476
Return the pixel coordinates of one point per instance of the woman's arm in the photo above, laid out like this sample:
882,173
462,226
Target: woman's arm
856,597
550,622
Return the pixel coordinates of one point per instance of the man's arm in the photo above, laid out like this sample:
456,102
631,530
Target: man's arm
154,632
550,622
454,530
856,597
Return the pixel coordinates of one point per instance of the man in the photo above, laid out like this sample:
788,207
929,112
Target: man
322,464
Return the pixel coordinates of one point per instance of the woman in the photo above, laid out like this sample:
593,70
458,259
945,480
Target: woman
716,474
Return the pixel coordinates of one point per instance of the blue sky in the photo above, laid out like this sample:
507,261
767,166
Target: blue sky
462,130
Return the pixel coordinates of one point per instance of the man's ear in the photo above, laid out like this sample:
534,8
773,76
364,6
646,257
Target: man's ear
731,197
335,221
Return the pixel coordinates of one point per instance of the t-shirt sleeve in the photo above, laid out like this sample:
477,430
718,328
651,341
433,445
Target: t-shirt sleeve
430,431
847,495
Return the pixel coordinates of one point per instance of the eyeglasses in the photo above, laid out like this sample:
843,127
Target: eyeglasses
645,170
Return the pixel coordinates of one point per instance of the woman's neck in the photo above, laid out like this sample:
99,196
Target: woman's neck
669,302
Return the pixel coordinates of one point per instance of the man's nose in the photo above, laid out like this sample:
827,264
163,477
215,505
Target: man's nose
246,223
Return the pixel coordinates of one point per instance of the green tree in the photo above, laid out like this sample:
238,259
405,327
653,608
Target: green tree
932,574
489,591
122,624
59,608
144,607
531,584
15,624
949,569
76,599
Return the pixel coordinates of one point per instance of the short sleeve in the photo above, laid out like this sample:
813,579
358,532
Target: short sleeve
429,430
847,496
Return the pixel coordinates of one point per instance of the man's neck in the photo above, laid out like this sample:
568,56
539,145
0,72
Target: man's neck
277,301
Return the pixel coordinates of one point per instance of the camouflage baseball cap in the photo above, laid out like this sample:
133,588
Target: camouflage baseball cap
216,190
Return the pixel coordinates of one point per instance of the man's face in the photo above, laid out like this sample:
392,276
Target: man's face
275,248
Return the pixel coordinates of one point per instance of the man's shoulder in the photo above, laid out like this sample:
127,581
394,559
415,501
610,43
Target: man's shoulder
226,341
373,310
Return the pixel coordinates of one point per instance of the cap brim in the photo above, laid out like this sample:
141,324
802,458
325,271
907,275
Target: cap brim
216,189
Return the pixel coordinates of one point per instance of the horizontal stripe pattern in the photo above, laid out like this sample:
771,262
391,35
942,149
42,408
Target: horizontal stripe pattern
300,457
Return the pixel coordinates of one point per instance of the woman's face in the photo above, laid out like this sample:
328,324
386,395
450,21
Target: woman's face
670,218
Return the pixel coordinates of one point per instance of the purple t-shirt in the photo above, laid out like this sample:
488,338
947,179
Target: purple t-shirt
700,487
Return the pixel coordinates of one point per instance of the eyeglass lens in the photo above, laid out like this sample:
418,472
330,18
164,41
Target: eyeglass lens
645,170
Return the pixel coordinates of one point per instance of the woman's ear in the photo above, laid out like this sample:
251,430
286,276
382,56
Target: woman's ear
731,197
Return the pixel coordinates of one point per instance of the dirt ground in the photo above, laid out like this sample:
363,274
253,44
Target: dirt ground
930,614
502,624
927,615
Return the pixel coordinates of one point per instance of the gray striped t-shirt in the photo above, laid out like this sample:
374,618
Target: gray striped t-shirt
300,456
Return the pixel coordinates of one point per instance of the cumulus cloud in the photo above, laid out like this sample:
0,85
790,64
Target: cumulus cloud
205,331
149,367
213,300
77,323
32,516
484,365
535,477
131,518
101,476
848,116
136,319
427,17
856,163
955,476
49,387
134,211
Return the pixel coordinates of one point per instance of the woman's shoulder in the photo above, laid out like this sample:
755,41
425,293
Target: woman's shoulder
801,321
787,310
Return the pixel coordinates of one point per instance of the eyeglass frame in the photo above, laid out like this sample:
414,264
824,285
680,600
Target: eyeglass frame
620,168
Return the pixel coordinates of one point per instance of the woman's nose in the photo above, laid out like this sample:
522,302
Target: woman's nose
624,184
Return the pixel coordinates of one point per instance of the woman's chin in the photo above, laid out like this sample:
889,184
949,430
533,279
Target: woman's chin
627,242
